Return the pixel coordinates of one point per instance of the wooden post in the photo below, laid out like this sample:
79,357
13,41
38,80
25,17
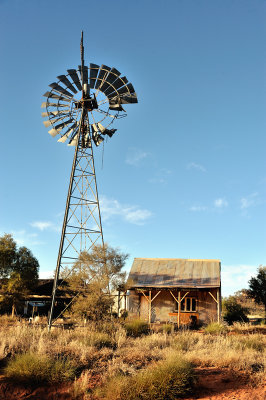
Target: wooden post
179,304
149,305
118,304
218,305
217,300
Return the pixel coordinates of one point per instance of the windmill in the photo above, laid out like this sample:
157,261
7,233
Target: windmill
81,108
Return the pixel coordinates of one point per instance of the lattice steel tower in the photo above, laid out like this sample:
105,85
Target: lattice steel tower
81,108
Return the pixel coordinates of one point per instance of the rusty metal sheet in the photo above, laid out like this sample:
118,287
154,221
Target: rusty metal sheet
174,273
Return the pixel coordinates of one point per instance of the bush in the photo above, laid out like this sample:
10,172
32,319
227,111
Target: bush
234,311
167,380
33,368
215,328
136,328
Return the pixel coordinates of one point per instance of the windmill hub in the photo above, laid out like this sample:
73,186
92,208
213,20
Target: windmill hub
89,103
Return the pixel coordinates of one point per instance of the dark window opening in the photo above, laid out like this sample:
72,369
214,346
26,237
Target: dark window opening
189,304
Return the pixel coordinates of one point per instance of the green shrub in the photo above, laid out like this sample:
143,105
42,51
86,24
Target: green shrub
215,328
167,380
35,368
233,311
136,328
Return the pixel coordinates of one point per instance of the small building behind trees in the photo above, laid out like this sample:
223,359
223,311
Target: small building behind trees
187,292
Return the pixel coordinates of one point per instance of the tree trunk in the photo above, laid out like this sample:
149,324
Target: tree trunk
13,310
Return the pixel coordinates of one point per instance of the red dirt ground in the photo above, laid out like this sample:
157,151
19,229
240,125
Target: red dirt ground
213,384
223,384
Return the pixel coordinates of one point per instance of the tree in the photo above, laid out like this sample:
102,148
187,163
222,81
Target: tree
257,287
243,298
8,251
93,277
19,272
233,311
27,266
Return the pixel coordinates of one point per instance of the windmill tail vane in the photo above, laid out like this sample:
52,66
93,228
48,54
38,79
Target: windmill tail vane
81,108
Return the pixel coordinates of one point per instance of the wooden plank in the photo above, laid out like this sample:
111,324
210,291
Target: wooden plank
179,304
144,294
173,296
149,305
218,305
213,297
184,296
155,296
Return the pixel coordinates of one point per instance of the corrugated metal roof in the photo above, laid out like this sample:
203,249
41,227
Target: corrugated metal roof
174,272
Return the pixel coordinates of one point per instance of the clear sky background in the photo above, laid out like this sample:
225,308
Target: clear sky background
185,176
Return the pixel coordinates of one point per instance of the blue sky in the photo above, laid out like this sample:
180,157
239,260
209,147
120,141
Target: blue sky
185,176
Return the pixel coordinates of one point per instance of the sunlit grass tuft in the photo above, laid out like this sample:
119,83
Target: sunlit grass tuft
30,368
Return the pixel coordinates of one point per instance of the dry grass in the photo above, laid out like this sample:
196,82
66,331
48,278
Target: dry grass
168,379
102,354
30,368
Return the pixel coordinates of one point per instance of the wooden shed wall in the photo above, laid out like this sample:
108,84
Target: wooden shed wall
164,304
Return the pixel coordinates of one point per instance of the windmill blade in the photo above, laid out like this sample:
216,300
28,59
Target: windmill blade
68,132
59,89
112,76
73,141
63,124
98,139
104,71
116,107
75,78
74,138
53,132
119,82
47,104
94,128
47,123
115,104
67,82
101,127
94,69
109,132
54,113
131,88
53,121
128,99
123,90
56,96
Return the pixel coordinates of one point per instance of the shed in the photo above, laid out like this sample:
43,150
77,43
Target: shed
184,291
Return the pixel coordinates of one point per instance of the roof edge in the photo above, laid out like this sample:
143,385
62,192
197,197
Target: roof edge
185,259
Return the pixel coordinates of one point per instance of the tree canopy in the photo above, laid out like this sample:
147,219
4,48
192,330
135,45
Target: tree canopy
93,277
257,287
8,251
19,271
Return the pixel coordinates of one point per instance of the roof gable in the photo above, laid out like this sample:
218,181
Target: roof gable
174,272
